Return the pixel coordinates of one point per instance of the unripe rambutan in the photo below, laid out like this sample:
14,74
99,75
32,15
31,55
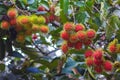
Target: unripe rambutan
68,26
89,61
98,69
34,19
79,27
44,29
87,42
73,38
78,45
64,35
89,53
20,38
25,20
35,28
41,20
98,54
12,13
91,33
64,47
28,32
118,48
5,25
13,21
116,65
107,65
81,35
112,48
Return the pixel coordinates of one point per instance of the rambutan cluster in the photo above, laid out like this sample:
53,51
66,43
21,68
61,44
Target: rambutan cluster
24,25
97,60
114,46
75,36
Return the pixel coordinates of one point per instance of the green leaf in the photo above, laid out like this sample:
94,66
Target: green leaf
91,74
112,26
81,17
64,10
2,67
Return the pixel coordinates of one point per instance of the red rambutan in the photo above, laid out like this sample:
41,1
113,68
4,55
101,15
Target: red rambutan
107,65
79,27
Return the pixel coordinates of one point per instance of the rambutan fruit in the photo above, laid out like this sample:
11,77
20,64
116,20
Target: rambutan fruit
87,42
73,38
79,27
98,69
89,61
112,48
64,48
41,20
70,44
68,26
20,38
98,54
89,53
107,65
44,29
64,35
78,45
25,20
5,25
91,33
51,18
81,35
41,8
98,62
12,13
13,21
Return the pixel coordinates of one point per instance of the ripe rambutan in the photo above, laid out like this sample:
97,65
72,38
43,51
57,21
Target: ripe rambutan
89,61
98,69
73,38
44,29
87,42
51,18
89,53
91,33
64,35
79,27
5,25
70,44
107,65
98,62
41,8
68,26
13,21
98,54
78,45
12,13
64,47
81,35
112,48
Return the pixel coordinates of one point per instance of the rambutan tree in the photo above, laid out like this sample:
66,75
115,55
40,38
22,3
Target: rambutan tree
59,40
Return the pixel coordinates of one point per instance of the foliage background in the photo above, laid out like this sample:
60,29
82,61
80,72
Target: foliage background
27,62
